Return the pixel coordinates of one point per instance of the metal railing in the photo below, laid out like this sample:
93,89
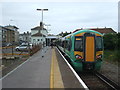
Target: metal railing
10,55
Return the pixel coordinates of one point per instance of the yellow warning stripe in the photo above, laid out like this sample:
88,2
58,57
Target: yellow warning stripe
52,72
55,75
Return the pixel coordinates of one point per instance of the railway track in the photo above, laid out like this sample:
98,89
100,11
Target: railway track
111,83
96,81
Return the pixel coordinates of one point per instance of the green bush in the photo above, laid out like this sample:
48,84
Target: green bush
110,41
112,47
112,56
118,41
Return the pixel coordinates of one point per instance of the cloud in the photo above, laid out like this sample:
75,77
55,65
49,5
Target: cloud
62,16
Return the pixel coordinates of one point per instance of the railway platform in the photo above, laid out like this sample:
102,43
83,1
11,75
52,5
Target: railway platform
50,71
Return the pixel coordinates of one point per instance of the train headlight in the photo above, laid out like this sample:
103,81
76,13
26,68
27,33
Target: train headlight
98,56
78,57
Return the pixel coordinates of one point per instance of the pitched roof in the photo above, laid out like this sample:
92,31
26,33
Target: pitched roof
104,30
101,30
38,34
38,28
10,26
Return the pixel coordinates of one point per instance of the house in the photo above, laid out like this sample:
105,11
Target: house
25,37
101,30
38,34
104,30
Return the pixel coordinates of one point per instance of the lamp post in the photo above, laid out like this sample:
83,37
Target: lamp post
42,27
42,21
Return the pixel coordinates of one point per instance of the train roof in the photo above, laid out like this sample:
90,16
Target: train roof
80,31
86,30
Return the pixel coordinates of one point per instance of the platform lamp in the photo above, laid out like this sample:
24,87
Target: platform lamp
42,27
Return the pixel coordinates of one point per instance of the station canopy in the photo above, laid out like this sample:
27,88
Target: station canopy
52,37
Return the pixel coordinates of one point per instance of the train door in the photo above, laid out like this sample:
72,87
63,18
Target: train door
89,51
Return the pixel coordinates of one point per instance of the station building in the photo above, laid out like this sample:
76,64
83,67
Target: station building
38,34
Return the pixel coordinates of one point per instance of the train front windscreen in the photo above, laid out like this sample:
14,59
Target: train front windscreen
99,44
78,44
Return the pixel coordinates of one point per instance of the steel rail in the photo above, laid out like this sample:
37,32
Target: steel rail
111,83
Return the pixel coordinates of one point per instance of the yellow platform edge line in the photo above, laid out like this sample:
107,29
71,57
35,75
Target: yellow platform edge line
55,77
52,72
58,82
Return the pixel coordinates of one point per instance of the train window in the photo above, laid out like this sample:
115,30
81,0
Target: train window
63,44
70,45
78,44
99,45
66,44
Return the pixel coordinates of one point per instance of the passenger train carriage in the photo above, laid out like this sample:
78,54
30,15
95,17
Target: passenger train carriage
84,49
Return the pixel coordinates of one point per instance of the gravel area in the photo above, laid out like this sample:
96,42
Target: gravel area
110,71
12,66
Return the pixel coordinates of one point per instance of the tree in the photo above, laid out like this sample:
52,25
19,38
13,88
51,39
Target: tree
118,41
110,41
64,34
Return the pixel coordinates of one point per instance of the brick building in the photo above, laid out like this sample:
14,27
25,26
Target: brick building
9,34
101,30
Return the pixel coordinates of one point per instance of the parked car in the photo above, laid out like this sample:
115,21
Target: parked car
23,47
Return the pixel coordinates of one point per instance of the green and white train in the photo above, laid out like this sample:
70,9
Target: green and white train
84,49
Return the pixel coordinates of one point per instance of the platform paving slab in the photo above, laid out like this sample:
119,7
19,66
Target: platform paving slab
34,73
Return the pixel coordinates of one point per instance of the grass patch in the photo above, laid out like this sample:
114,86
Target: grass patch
112,56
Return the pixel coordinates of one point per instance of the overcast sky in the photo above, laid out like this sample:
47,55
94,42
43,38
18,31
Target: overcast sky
63,16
